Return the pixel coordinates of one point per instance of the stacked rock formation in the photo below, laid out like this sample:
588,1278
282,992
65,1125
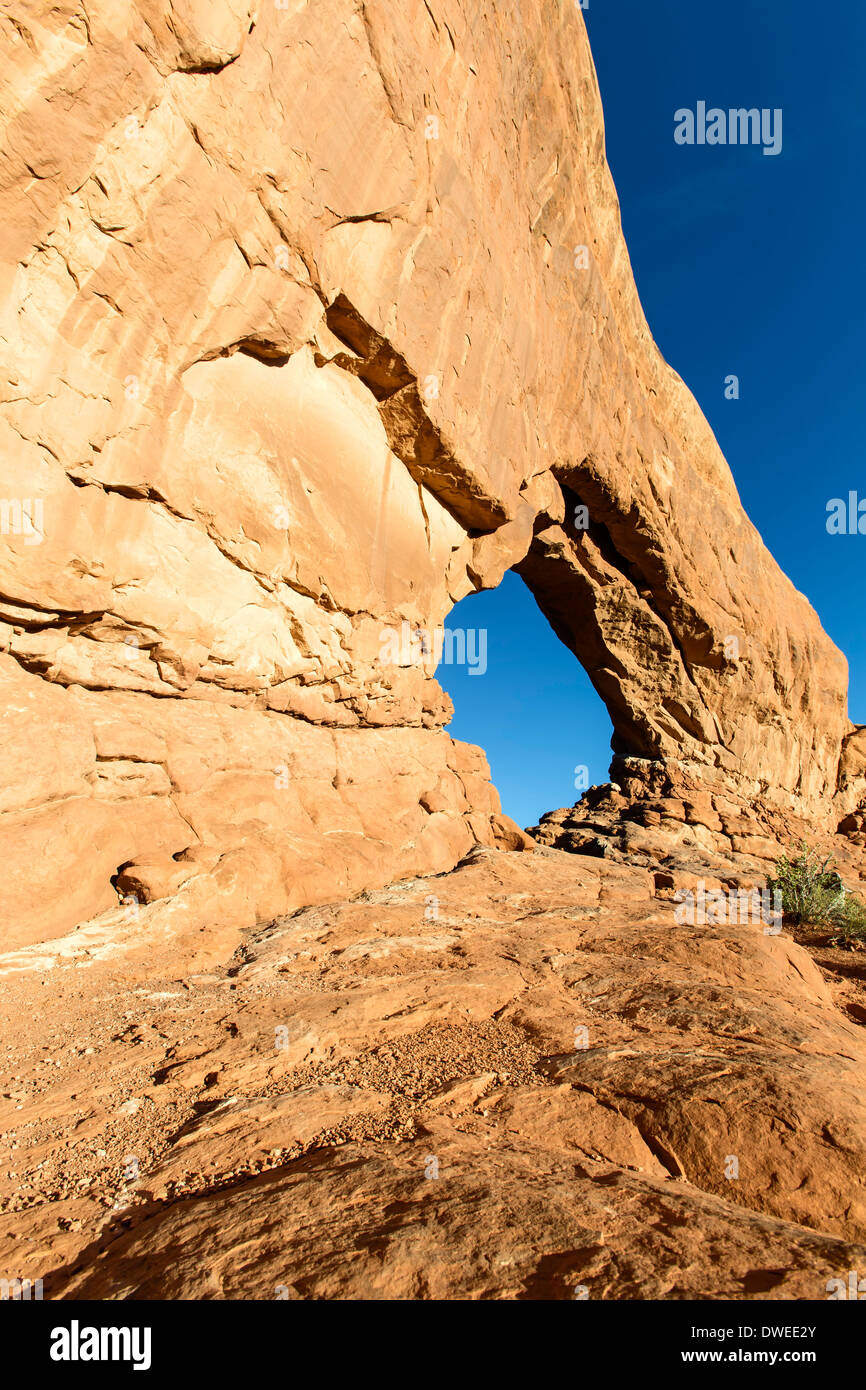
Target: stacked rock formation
663,817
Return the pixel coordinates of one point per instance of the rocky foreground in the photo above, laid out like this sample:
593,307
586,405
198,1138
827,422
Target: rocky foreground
520,1079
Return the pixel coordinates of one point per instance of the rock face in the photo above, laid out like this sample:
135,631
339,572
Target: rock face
516,1080
683,827
316,317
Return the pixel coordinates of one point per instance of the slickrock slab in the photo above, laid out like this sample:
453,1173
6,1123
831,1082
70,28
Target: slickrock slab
515,1225
519,1079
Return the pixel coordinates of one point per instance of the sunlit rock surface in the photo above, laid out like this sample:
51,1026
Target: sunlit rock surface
315,318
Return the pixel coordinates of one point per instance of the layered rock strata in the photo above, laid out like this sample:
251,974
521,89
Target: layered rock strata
317,316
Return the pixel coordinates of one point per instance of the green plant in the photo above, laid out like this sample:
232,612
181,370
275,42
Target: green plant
813,893
851,920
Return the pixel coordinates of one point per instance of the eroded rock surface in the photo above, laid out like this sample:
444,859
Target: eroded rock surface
317,317
685,829
519,1079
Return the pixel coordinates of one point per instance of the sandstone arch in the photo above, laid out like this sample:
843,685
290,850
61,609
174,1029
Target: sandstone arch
288,362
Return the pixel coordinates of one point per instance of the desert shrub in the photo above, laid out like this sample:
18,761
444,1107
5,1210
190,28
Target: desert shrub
814,894
851,919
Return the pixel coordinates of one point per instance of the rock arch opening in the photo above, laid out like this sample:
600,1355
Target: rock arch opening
519,693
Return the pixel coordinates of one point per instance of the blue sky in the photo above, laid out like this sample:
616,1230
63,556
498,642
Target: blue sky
746,264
